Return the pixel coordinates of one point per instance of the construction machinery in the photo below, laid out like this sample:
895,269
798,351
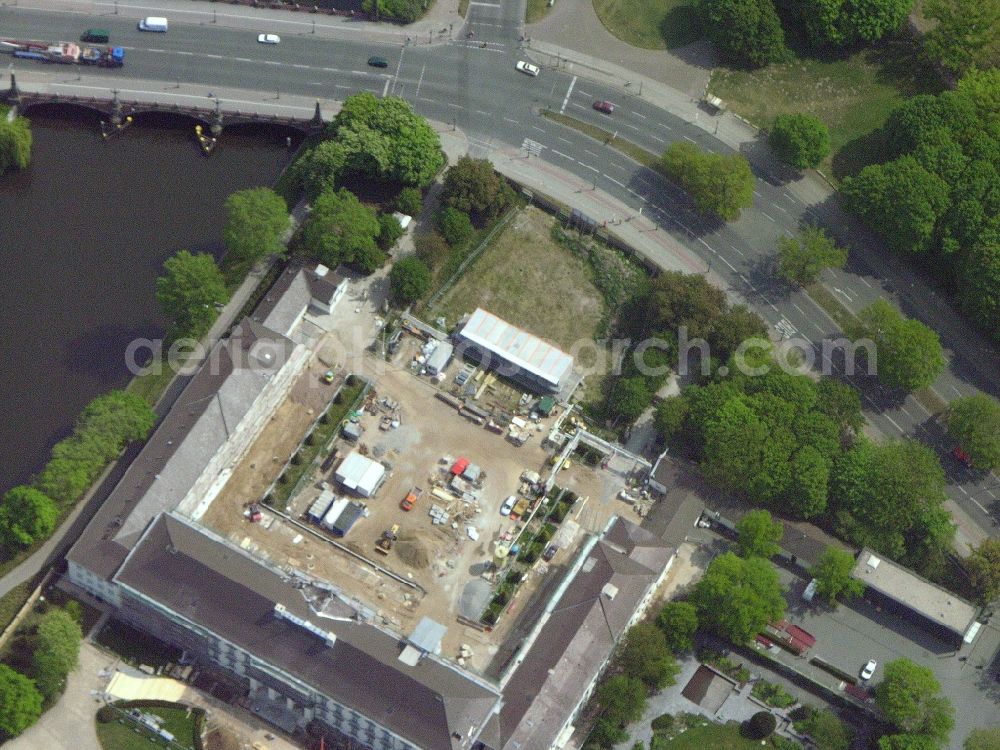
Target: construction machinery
384,544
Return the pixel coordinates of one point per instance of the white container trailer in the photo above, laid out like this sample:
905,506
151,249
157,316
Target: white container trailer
330,519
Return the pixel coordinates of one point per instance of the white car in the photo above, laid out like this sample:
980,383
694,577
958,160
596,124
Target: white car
508,505
527,68
269,39
869,669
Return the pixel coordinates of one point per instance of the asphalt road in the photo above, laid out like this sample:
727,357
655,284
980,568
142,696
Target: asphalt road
467,77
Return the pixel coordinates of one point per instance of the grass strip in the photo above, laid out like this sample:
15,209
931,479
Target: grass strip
931,401
606,137
536,11
833,307
13,600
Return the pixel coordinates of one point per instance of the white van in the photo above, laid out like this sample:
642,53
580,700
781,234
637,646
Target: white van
153,23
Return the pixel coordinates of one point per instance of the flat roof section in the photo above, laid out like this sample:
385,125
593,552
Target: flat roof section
360,473
923,597
523,349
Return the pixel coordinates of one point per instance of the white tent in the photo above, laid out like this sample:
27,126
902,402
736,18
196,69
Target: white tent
360,474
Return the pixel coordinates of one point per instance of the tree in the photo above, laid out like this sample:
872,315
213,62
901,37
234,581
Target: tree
256,221
630,397
907,742
983,566
824,728
409,279
801,259
647,658
57,650
718,184
759,534
409,201
800,140
455,226
840,23
341,229
319,168
841,402
737,597
901,200
20,702
985,738
473,187
385,139
15,143
810,478
974,421
189,293
26,516
759,726
909,354
389,230
909,697
746,32
966,33
833,575
679,623
117,418
404,11
622,700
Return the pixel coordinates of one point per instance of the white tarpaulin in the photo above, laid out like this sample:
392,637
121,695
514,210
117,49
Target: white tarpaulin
130,688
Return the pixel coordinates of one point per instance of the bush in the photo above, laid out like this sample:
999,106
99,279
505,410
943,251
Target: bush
106,714
432,249
663,723
800,140
390,230
409,279
456,227
759,726
409,201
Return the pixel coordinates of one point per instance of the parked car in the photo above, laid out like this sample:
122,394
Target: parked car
378,62
269,39
508,505
550,552
328,377
527,68
962,455
869,669
605,107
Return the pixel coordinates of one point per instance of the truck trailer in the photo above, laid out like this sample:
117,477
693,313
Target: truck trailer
64,53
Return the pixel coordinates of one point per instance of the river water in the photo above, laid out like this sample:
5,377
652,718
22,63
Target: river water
83,235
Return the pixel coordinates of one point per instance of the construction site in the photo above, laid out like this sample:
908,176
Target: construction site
433,492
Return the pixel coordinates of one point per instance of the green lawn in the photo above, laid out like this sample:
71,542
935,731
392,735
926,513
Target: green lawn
536,10
126,735
714,736
853,94
650,24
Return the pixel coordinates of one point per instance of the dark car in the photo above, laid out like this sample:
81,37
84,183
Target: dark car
378,62
96,36
550,552
605,107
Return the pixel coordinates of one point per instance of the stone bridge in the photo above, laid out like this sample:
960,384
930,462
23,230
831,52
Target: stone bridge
118,110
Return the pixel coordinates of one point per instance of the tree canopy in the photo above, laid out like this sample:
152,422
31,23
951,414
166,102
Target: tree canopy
833,575
622,700
27,515
57,650
801,140
967,33
840,23
746,32
909,696
936,197
679,622
383,138
15,143
801,259
974,422
455,226
737,597
983,566
409,201
759,534
473,187
909,354
404,11
341,229
718,184
20,702
256,221
409,279
189,293
890,497
646,657
985,738
824,728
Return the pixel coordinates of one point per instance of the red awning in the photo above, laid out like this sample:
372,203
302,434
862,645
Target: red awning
459,466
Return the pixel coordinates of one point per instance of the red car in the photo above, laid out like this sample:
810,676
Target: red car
605,107
962,456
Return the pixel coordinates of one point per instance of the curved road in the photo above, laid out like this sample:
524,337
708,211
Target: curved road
470,81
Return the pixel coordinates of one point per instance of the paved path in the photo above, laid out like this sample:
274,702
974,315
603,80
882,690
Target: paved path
574,25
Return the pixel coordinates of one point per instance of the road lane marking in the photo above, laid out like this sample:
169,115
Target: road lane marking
421,79
738,251
768,216
569,93
690,139
564,140
597,156
540,130
862,280
587,166
757,194
560,153
486,5
612,179
584,92
643,117
510,120
656,138
385,91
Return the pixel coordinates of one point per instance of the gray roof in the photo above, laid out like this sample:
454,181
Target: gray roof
907,588
197,425
218,586
292,293
576,638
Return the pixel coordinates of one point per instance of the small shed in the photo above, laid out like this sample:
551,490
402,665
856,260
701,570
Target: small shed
472,472
545,405
440,358
320,506
352,431
333,513
360,474
459,466
347,518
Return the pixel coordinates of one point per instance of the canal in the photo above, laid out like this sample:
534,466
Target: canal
83,235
